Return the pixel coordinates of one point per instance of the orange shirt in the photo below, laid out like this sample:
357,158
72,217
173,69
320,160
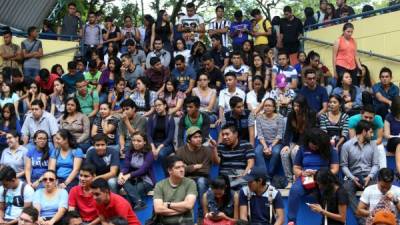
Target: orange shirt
346,53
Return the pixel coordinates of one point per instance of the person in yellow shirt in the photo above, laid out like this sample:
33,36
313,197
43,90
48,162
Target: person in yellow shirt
261,31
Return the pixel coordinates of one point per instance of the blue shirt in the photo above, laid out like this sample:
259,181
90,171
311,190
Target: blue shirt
70,81
241,37
394,124
390,94
378,123
65,165
308,159
49,207
184,77
315,98
38,167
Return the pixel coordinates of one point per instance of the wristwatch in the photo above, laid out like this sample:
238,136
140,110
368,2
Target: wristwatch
395,200
168,205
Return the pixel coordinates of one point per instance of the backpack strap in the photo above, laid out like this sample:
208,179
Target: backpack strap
248,204
265,25
270,201
23,190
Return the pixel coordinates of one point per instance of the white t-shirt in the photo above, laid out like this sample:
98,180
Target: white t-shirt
225,96
251,98
14,202
372,195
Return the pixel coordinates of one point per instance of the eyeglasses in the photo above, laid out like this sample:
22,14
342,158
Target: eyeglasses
48,179
23,221
203,79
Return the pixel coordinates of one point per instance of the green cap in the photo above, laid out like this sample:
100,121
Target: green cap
191,131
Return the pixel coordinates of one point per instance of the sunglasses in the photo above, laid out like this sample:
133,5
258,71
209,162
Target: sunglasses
48,179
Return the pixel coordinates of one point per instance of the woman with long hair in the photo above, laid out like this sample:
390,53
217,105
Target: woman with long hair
247,52
207,95
180,49
136,174
118,95
197,52
107,124
8,122
259,68
270,125
77,123
364,80
345,56
256,96
301,58
34,93
51,201
350,93
335,122
143,96
58,98
8,95
111,52
163,28
220,202
330,13
324,76
148,22
14,154
174,97
299,120
57,69
391,133
37,159
314,154
108,78
66,159
332,198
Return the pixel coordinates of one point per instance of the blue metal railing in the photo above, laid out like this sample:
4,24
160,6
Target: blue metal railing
362,15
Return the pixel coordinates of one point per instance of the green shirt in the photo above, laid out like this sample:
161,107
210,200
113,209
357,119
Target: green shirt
163,190
87,102
92,79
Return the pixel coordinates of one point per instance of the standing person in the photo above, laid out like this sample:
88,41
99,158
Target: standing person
110,205
259,202
10,53
128,32
32,51
71,25
111,34
218,52
345,56
291,30
321,13
191,25
240,31
219,25
342,6
80,198
164,29
92,36
14,196
384,91
175,196
260,31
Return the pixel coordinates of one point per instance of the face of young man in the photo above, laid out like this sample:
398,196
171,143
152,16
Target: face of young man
311,80
180,65
101,147
158,45
191,109
101,197
178,170
238,109
385,78
7,39
25,219
37,112
228,137
367,116
195,140
85,178
82,88
75,221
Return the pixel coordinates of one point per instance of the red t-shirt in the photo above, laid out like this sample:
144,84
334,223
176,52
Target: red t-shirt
118,206
85,205
47,86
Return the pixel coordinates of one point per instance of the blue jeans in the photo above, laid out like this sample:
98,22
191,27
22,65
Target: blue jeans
295,198
31,72
273,159
137,190
163,154
202,187
85,145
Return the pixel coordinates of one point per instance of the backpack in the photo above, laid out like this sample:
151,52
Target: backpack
18,204
272,40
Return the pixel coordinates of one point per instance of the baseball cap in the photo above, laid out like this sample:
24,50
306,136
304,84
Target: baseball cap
255,173
384,217
191,131
281,80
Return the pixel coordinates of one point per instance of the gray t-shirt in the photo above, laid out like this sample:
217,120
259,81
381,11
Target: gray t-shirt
139,123
31,46
70,25
139,58
131,76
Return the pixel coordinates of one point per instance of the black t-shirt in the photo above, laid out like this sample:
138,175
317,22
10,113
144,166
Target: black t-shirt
103,163
291,29
214,76
339,198
219,56
159,132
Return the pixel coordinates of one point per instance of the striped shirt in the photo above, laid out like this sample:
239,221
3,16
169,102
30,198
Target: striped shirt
270,128
216,25
339,129
234,159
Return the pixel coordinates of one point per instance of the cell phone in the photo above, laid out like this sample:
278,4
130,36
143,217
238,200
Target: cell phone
308,204
209,136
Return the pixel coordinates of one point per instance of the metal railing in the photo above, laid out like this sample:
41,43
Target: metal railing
369,53
362,15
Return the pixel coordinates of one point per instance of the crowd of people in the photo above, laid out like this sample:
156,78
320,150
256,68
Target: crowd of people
82,145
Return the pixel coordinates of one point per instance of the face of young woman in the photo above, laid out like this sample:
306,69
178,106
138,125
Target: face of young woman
138,142
33,88
104,110
179,45
348,32
269,107
110,48
5,88
71,106
58,87
121,86
347,79
257,84
302,57
111,65
333,104
257,62
49,181
140,86
6,113
11,140
59,71
246,46
60,141
41,140
203,81
170,87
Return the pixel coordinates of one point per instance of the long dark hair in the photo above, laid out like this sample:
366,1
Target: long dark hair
367,77
262,91
163,102
353,89
147,146
2,93
66,134
46,149
78,106
175,84
118,64
151,21
176,43
118,95
321,139
339,99
13,116
222,183
311,55
115,49
146,82
263,67
64,92
326,181
159,21
301,120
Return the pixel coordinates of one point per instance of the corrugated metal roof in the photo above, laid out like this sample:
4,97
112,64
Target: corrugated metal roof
22,14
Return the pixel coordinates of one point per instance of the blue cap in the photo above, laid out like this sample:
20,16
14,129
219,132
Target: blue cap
256,173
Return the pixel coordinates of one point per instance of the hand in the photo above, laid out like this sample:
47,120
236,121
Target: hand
357,182
285,149
197,166
218,122
155,153
267,150
62,185
213,144
124,117
366,181
316,208
41,221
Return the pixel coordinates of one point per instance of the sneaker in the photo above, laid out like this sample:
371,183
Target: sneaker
140,205
289,185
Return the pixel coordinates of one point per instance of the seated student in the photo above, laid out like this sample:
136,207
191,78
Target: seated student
314,154
37,159
235,157
193,117
213,73
28,215
131,70
335,122
110,205
175,196
381,195
368,114
208,96
144,97
71,77
242,119
137,176
160,131
81,199
184,74
157,74
92,76
242,71
220,202
332,199
57,99
270,126
350,93
14,196
283,67
117,95
260,202
384,92
34,93
106,124
38,119
88,99
105,159
72,218
45,81
131,122
66,160
283,95
50,201
14,155
392,132
317,97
